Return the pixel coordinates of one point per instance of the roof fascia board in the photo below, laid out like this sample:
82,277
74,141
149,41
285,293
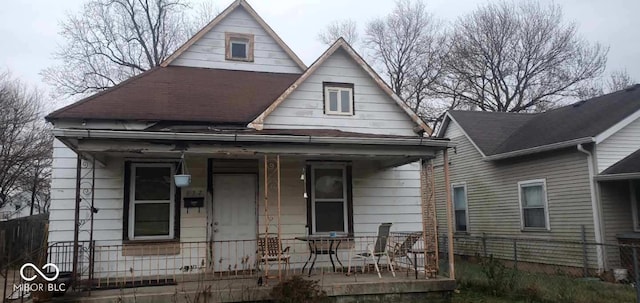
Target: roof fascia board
258,123
614,177
143,135
537,149
221,17
617,127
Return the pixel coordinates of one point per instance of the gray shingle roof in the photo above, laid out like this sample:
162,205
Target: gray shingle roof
497,133
629,165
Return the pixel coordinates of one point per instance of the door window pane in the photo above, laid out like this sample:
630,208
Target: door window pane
329,216
152,183
151,219
329,184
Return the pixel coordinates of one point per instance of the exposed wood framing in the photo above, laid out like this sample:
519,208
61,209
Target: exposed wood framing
258,123
447,185
429,220
272,193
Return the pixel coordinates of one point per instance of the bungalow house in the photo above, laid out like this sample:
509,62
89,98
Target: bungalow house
270,145
543,177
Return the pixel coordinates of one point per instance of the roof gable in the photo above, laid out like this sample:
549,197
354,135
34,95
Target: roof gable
207,47
343,47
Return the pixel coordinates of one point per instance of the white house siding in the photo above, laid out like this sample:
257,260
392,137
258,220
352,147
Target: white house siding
375,111
209,51
616,215
619,145
493,205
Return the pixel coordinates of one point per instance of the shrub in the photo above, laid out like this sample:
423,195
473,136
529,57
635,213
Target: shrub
500,279
297,290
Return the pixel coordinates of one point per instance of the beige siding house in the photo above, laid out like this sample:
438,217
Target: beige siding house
271,146
542,178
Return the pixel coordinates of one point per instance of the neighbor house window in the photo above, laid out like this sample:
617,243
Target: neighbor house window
239,47
151,201
460,206
533,203
330,206
338,98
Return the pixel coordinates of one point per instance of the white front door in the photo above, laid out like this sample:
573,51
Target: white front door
234,222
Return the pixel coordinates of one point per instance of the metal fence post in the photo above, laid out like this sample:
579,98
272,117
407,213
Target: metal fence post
585,260
636,275
484,244
515,254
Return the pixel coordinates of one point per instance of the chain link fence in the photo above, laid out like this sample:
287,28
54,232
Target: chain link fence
544,270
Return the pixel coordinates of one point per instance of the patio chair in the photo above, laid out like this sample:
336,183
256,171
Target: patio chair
270,251
376,252
404,248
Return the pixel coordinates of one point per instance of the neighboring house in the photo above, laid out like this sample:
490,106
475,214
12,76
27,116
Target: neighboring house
544,176
330,145
19,206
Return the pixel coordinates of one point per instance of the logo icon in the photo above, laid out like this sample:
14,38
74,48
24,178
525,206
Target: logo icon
56,270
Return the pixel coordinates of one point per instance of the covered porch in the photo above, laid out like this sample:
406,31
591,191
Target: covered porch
247,187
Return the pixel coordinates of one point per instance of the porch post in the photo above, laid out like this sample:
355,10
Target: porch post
76,221
272,185
447,184
429,220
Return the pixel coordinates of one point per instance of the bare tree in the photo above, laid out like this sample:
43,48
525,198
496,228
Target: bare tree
112,40
203,13
347,29
619,80
25,143
408,45
518,56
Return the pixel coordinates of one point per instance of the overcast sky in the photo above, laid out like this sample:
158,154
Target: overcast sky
29,29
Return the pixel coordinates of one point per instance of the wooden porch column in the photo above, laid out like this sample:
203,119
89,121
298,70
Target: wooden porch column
447,185
429,221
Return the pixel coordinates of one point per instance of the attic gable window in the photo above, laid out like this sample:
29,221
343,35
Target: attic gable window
338,98
239,47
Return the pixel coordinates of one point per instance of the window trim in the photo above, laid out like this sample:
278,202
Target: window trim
326,86
348,192
534,182
466,205
634,205
129,203
230,37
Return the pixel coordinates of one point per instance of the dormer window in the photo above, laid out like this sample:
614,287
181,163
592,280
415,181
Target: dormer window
338,98
239,47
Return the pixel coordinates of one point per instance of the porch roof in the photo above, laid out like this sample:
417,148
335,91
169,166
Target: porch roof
402,149
627,168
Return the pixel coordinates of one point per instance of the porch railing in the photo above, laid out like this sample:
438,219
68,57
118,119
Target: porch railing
130,265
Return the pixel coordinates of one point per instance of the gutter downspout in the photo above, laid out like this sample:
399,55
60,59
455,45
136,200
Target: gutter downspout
595,207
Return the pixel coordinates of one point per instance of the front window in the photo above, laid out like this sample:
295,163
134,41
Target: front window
338,98
635,203
533,202
152,201
460,206
329,199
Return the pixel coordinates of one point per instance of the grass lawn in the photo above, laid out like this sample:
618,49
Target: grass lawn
493,283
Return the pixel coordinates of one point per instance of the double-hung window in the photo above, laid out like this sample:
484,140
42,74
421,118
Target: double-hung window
338,99
151,201
459,193
329,202
533,204
635,203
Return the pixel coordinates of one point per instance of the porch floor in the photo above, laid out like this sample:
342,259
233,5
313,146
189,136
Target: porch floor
339,287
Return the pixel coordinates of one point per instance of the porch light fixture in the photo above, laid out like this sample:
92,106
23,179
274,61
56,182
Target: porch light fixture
183,179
